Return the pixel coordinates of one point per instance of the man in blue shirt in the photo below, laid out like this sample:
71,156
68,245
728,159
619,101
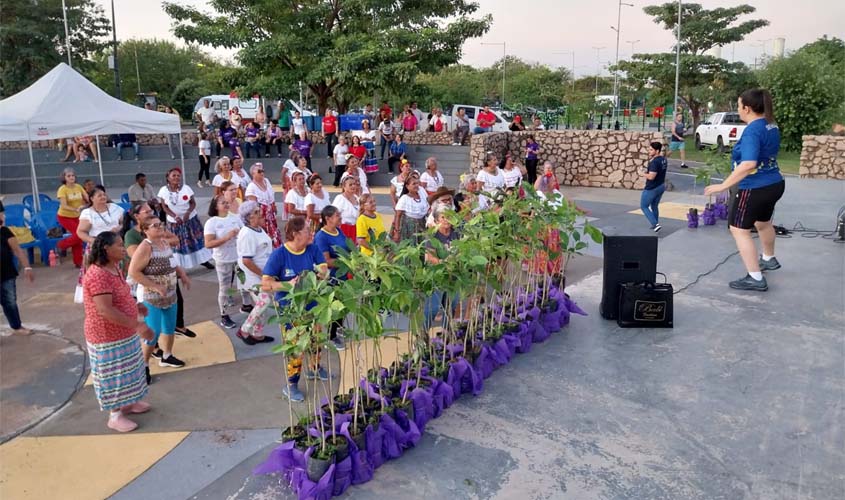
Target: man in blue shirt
655,185
755,170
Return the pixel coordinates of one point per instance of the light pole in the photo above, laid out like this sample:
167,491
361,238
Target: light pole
67,36
504,63
618,30
117,93
598,66
572,53
677,59
632,42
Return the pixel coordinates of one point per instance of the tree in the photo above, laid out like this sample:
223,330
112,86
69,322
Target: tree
807,89
32,38
161,64
356,45
702,77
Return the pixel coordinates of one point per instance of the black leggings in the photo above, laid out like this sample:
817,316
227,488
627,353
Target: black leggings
531,167
180,308
205,166
338,173
268,144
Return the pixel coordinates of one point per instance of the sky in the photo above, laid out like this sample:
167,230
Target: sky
539,30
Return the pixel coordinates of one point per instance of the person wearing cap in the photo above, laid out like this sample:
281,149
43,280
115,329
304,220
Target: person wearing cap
517,125
10,248
443,199
431,179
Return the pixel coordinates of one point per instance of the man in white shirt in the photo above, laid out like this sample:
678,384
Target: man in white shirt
141,191
207,116
417,113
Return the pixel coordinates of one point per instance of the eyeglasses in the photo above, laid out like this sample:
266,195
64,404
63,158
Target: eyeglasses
156,225
259,171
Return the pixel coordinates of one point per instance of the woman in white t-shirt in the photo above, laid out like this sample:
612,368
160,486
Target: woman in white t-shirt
317,199
223,167
339,159
221,230
367,136
431,179
512,173
178,202
398,182
239,176
100,217
254,247
297,125
261,191
295,199
411,209
205,159
353,169
490,179
347,203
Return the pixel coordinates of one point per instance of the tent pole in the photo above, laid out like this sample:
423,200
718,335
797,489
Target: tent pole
182,152
100,160
32,170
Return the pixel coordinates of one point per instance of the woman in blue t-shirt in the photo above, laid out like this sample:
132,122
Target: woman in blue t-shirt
286,263
760,186
329,239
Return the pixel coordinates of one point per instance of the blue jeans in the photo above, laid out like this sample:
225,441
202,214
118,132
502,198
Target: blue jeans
479,130
434,304
9,300
122,145
649,201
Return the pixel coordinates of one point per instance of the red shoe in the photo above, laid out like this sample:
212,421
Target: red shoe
137,407
120,423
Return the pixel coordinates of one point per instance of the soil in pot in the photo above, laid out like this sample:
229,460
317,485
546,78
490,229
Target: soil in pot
360,440
305,442
341,447
407,407
293,433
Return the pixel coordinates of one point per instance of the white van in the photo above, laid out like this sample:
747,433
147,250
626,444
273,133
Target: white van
222,103
471,111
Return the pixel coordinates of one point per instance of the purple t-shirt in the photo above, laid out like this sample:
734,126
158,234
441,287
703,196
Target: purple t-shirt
532,148
304,147
252,132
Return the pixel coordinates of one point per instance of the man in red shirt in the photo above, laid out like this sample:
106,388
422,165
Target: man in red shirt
385,110
330,131
485,121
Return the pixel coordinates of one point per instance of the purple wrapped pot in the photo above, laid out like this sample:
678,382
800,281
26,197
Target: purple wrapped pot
362,469
502,351
375,446
309,490
539,334
512,341
551,320
284,459
463,378
390,448
442,396
484,363
525,335
692,220
423,401
709,216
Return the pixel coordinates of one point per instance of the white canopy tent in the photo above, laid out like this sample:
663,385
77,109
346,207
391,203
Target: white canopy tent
64,103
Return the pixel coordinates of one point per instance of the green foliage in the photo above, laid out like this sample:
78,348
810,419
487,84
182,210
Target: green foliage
355,45
703,78
32,38
808,90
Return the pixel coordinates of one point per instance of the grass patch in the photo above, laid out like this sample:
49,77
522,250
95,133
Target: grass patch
787,160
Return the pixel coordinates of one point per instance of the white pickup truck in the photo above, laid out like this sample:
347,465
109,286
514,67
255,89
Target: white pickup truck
721,130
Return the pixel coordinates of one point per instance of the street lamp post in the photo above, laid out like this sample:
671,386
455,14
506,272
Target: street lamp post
677,60
117,93
598,66
67,36
504,63
632,42
618,30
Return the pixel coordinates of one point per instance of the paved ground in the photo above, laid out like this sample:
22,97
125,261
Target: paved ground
743,399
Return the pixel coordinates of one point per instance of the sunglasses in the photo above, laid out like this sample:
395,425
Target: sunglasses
259,171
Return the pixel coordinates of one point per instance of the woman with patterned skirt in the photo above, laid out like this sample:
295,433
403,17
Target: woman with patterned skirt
178,202
113,324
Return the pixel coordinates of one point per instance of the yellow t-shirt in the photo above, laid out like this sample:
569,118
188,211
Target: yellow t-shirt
368,228
74,199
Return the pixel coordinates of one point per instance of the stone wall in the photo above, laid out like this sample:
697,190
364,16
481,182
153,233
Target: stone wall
190,137
595,158
822,157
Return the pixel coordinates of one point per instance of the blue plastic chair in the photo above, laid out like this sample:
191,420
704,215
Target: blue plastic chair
28,201
124,198
125,206
41,224
15,216
50,205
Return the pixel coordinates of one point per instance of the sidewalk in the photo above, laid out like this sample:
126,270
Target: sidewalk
742,399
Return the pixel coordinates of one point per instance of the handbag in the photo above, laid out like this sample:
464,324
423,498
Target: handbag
645,305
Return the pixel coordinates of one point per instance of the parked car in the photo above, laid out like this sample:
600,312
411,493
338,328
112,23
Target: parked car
501,124
721,130
248,108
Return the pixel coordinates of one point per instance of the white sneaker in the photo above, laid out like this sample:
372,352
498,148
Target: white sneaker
199,183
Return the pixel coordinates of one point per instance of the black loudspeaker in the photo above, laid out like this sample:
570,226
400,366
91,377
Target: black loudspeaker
626,259
645,305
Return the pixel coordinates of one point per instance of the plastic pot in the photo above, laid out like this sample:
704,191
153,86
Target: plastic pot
316,467
341,447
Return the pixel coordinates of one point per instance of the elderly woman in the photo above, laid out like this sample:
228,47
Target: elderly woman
434,256
113,325
254,247
177,200
353,169
431,179
316,200
296,198
152,267
411,210
72,200
466,201
370,224
329,240
221,229
347,203
102,216
223,167
239,176
286,263
261,190
339,154
490,179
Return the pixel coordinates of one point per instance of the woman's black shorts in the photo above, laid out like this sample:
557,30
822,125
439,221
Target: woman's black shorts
754,205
